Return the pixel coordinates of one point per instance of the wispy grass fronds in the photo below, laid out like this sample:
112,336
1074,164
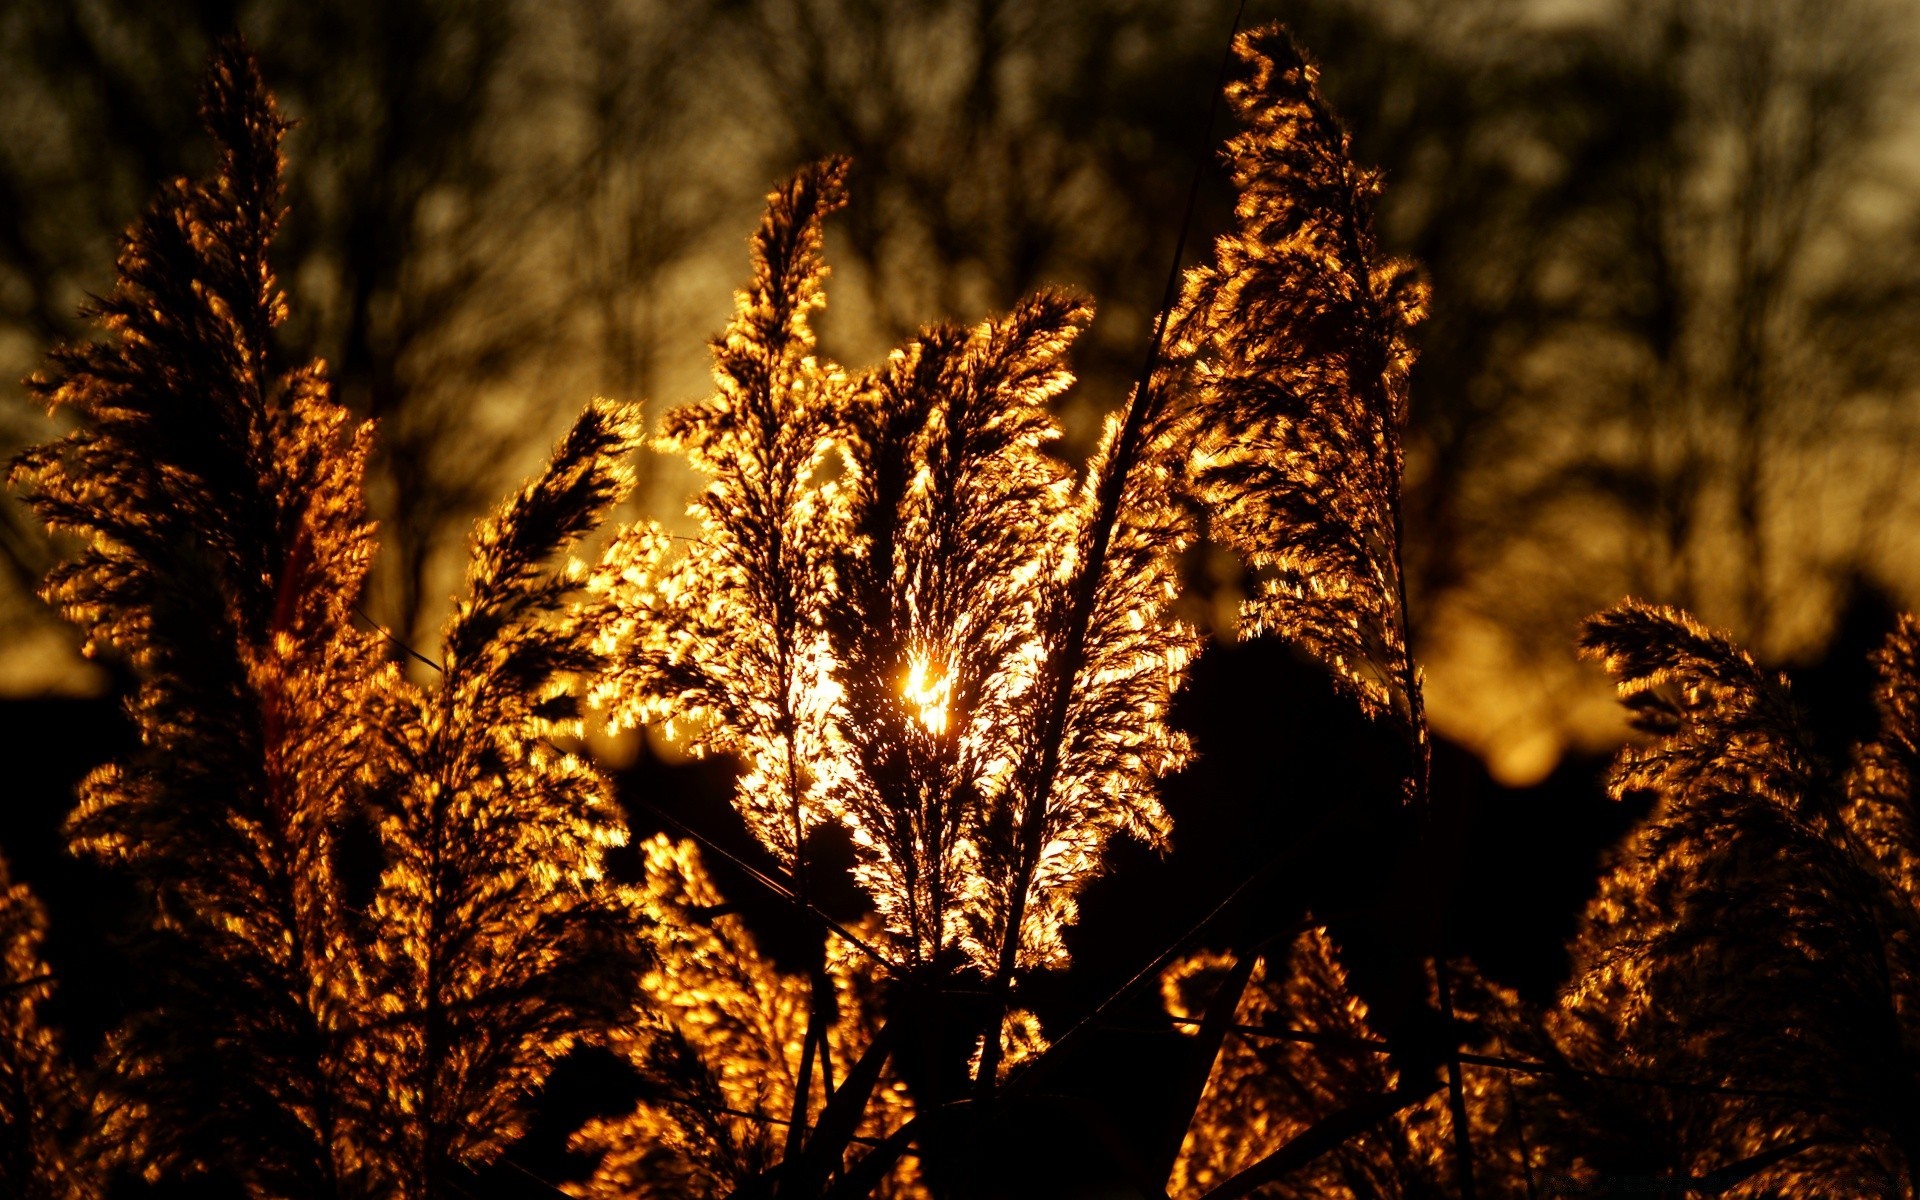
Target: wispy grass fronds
498,944
1301,1052
59,1136
946,645
295,1041
717,1035
725,639
225,544
953,501
1108,657
1758,931
1301,388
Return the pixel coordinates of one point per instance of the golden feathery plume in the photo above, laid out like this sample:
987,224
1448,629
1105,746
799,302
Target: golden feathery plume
1757,931
1883,787
499,944
1105,658
1300,389
717,1036
725,639
225,544
59,1137
1301,1051
956,511
946,648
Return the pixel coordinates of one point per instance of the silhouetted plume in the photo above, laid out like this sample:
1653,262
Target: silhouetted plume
1296,400
1300,327
951,647
885,648
901,613
1302,1051
225,545
307,1048
726,637
1759,931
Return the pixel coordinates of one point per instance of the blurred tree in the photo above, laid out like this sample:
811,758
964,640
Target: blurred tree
1722,345
450,155
1670,272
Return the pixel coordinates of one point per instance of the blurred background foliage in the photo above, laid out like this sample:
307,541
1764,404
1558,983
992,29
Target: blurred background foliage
1675,250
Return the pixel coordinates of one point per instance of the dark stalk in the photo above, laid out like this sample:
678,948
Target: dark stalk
1142,405
1456,1097
1323,1135
1192,1085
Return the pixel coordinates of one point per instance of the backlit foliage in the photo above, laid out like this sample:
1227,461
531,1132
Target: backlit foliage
303,1044
1760,930
726,638
1302,1051
907,618
381,903
940,642
57,1138
225,543
1301,388
496,950
1094,737
933,624
716,1035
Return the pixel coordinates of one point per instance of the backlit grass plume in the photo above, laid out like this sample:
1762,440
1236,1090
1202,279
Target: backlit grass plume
1291,352
946,646
296,1042
1884,788
725,638
1092,738
58,1137
496,948
942,640
1301,389
1760,931
1302,1057
937,586
224,544
717,1035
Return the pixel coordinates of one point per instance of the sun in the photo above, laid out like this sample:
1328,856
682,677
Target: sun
929,688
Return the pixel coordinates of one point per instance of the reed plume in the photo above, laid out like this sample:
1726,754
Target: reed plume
1300,389
296,1042
1292,347
60,1134
224,545
498,945
717,1035
931,627
725,639
1757,932
888,648
1302,1053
